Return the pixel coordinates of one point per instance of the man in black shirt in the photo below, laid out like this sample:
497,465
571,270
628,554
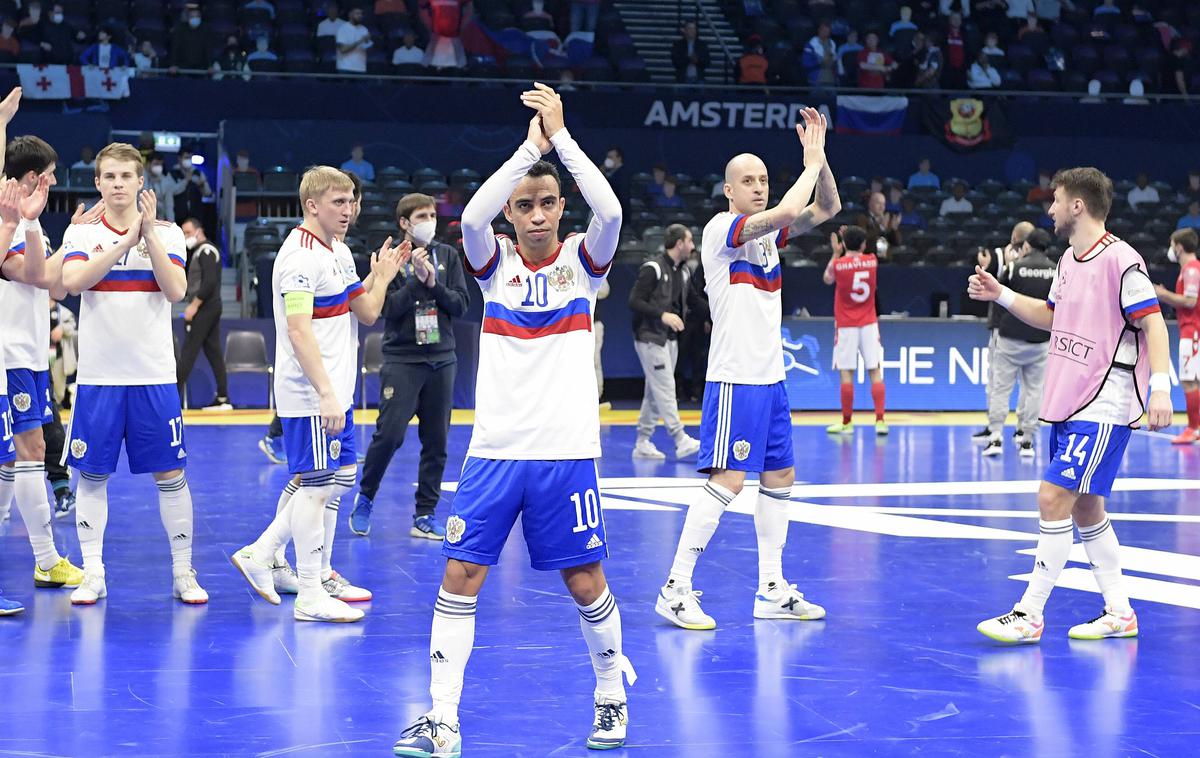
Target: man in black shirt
191,43
658,301
203,313
418,366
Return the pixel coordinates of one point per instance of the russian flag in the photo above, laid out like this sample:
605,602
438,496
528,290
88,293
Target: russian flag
745,272
127,280
879,115
574,316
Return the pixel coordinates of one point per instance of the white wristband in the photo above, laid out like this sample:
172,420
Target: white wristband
1007,297
33,226
1160,383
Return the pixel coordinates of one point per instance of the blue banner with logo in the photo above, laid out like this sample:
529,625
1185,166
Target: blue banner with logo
928,365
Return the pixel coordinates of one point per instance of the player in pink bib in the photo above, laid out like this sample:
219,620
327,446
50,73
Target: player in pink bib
1108,346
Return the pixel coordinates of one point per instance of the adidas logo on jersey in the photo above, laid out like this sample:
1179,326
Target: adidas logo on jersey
437,657
516,281
1069,474
593,543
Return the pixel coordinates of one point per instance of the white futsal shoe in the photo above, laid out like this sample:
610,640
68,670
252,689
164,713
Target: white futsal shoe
340,587
1018,626
784,601
259,575
187,589
322,607
1111,623
428,738
91,589
646,449
681,606
686,447
608,728
283,576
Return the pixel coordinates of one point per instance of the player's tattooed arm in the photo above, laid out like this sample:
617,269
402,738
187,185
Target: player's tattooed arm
826,204
796,200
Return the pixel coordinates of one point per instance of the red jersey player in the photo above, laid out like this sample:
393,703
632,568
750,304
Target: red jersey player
1183,250
852,271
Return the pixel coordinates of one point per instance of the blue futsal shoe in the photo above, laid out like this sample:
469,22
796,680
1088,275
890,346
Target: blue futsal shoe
426,527
10,607
272,447
360,517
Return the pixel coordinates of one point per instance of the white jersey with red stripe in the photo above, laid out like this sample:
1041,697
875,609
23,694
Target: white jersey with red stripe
124,319
536,395
743,280
306,264
25,314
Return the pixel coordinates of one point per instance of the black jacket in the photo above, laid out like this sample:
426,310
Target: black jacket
681,60
204,276
449,294
1032,276
661,287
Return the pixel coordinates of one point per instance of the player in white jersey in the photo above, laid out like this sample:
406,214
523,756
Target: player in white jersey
34,273
746,423
318,300
537,425
128,268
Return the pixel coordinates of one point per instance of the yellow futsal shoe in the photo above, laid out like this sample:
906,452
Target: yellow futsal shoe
61,574
840,428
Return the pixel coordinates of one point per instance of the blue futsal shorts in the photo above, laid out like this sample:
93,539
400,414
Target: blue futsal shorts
146,418
8,449
1085,456
29,399
559,506
745,427
308,448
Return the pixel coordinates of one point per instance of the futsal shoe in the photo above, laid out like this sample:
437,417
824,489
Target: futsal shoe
847,428
10,607
608,728
427,738
272,447
284,578
64,503
187,589
91,589
1015,627
61,574
360,516
340,587
785,602
322,607
427,527
646,449
260,576
1025,448
686,447
1107,624
1188,437
681,606
881,428
993,447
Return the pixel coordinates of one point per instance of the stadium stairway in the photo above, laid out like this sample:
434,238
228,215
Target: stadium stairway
654,26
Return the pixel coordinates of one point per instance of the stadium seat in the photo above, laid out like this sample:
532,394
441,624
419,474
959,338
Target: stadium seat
246,353
279,179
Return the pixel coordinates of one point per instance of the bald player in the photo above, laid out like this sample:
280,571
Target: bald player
747,424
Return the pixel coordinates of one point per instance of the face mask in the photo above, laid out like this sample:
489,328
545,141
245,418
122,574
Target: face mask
243,163
1171,256
57,18
194,21
424,231
190,242
609,163
156,170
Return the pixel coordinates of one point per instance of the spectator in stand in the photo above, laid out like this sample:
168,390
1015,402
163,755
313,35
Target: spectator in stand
1192,190
358,165
668,198
991,46
883,228
87,158
988,15
190,202
1192,219
874,65
909,215
408,54
260,5
689,53
875,185
956,54
655,187
618,176
752,66
27,29
353,42
904,23
566,81
8,38
895,198
191,43
983,74
146,57
537,11
246,208
57,38
1031,26
1106,8
584,14
851,47
332,23
946,7
164,186
1142,192
262,51
820,56
958,204
1042,191
924,176
232,60
104,53
1018,11
445,20
927,58
1051,10
390,8
1180,66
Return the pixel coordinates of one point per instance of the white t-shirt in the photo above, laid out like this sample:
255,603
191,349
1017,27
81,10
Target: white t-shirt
124,319
535,395
952,206
307,264
355,60
404,55
25,314
743,279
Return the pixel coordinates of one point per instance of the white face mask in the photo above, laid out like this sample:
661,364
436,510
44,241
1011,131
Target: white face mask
243,163
156,170
189,242
423,232
57,18
1171,256
609,163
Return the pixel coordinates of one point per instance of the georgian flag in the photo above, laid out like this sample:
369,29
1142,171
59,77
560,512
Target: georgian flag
73,82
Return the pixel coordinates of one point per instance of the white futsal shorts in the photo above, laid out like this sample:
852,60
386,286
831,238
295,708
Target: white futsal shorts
853,341
1189,360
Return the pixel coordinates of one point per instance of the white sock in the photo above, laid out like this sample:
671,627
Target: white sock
698,528
175,509
1054,545
308,527
6,490
771,526
1104,553
289,489
601,625
91,517
343,482
29,484
450,643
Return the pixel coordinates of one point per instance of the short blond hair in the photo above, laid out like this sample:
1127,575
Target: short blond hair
121,151
320,179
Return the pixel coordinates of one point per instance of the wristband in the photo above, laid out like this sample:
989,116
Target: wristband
34,226
1160,383
1007,297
